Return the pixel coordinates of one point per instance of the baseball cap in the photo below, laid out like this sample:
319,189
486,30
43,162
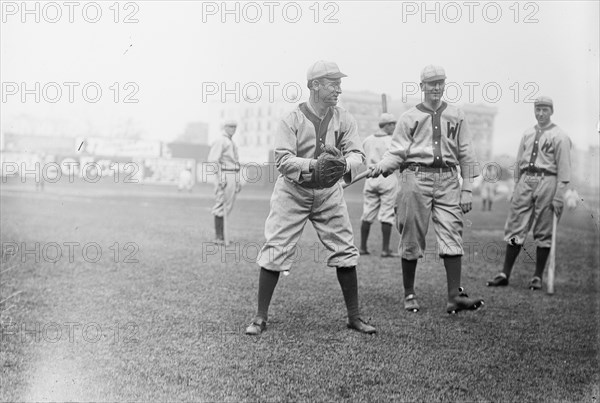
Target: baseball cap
544,100
432,73
230,122
386,118
323,68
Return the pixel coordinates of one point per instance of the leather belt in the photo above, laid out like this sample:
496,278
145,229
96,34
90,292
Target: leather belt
538,172
429,169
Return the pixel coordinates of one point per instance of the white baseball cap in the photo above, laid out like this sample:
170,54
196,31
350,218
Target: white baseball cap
386,118
324,69
230,122
433,73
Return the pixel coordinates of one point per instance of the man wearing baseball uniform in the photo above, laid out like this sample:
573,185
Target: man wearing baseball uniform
488,189
224,154
543,172
379,194
303,140
431,141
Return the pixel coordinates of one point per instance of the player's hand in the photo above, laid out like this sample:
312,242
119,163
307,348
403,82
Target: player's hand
557,205
466,201
238,187
558,201
377,170
222,184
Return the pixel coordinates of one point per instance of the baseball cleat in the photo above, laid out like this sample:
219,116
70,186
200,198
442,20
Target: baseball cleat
500,280
387,253
462,302
361,326
364,252
257,326
535,283
411,304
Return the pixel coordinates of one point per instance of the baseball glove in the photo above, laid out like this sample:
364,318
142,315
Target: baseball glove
330,167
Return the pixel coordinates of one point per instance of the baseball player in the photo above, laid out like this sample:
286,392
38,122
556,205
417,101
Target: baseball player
430,142
224,154
316,145
543,172
488,189
379,194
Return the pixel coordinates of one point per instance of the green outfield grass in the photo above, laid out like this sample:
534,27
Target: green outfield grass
170,327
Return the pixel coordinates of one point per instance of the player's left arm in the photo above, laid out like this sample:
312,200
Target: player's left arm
351,147
562,156
469,166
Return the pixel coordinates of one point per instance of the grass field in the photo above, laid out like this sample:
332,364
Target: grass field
160,314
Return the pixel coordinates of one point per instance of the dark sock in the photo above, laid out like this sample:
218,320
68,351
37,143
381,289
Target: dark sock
512,251
219,227
409,268
267,280
540,261
349,283
386,230
365,227
490,206
453,265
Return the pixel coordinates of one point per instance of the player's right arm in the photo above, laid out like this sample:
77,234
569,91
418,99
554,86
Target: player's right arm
214,157
288,162
520,152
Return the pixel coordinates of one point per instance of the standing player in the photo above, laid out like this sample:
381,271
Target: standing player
543,172
488,189
315,140
379,194
224,154
430,142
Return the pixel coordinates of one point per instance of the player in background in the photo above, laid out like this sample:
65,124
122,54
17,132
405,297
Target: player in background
543,172
488,188
379,194
224,154
431,141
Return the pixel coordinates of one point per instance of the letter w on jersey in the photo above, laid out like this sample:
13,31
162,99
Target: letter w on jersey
453,131
547,147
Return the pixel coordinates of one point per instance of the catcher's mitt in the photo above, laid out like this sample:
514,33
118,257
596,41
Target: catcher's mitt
330,167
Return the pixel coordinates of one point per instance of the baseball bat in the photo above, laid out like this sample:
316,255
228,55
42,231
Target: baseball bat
384,103
359,177
552,258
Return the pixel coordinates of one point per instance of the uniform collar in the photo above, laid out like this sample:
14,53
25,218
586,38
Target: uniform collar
314,112
550,126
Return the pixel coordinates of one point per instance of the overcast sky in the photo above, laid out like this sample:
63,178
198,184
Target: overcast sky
522,49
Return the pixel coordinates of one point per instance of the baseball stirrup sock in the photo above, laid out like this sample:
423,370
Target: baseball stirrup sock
512,251
267,280
386,230
409,268
540,261
453,265
364,234
349,283
219,227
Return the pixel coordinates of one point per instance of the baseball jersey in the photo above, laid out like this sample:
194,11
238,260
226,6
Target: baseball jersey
224,152
301,133
438,139
547,149
375,146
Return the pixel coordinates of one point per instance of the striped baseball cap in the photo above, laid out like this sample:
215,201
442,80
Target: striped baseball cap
432,73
